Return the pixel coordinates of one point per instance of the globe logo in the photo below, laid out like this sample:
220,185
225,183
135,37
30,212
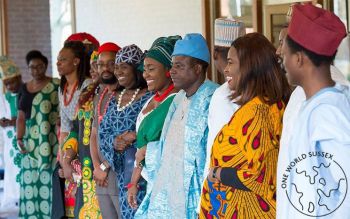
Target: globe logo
326,179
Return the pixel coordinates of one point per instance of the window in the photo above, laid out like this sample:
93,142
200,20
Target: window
242,10
62,17
342,61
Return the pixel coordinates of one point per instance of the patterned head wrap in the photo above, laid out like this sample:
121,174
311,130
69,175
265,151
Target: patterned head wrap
131,54
162,48
8,69
94,56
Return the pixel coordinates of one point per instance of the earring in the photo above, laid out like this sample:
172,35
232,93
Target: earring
167,74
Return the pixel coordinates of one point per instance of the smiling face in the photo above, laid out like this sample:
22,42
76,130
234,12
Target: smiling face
105,66
125,74
155,75
232,72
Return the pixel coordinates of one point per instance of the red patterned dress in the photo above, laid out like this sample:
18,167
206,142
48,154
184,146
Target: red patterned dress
249,143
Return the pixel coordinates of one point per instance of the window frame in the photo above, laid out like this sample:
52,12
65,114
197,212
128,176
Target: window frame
3,28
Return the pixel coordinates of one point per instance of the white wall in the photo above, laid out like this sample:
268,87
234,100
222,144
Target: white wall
137,21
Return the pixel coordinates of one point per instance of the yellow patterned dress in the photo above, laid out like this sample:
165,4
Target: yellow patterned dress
86,204
249,143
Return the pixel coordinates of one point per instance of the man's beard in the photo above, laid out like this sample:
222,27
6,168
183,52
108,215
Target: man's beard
111,80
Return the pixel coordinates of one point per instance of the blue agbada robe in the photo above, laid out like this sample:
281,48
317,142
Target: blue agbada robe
195,141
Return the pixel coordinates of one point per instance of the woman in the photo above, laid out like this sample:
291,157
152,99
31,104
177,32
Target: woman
150,121
36,137
242,178
77,146
117,128
74,68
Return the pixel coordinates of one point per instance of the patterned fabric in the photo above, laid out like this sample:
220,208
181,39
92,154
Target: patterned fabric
249,143
8,69
196,133
12,157
131,54
113,124
151,126
227,30
173,160
162,48
38,164
86,201
94,56
221,109
68,112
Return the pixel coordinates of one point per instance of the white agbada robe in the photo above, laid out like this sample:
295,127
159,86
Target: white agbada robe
10,199
221,109
320,124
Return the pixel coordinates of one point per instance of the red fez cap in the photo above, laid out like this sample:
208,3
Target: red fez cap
84,37
108,47
316,29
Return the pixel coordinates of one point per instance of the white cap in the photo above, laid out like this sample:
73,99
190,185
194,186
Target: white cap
227,30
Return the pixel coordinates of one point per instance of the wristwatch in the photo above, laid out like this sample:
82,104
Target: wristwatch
103,167
214,172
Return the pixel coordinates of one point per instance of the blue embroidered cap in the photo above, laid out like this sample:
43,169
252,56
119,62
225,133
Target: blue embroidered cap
193,45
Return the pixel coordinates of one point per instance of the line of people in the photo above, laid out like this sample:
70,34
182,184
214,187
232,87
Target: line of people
132,134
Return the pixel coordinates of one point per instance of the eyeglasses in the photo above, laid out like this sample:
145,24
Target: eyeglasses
109,65
36,67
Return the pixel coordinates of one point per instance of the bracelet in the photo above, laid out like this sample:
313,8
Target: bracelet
131,185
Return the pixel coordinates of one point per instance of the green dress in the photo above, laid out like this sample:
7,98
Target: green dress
151,126
37,165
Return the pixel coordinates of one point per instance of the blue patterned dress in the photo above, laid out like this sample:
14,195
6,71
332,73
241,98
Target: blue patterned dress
194,155
113,124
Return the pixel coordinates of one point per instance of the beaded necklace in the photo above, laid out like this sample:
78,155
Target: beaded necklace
159,98
119,108
65,101
99,115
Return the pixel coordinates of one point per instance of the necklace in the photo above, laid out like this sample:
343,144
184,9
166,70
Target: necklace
160,97
67,102
119,108
99,115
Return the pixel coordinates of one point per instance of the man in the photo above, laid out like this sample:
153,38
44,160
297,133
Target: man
298,95
182,146
106,188
221,108
313,160
11,78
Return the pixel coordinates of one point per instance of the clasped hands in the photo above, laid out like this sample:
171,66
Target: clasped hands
124,140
